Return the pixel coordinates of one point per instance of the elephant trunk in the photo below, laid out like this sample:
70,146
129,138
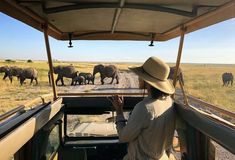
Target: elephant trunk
95,71
49,77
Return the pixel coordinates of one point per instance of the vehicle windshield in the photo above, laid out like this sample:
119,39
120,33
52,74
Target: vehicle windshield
127,81
92,125
207,55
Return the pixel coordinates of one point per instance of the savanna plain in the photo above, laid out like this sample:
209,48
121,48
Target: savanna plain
203,81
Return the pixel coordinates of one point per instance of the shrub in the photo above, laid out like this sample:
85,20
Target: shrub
9,61
29,61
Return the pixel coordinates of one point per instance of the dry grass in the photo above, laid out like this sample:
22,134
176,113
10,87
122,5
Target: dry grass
202,81
205,82
13,95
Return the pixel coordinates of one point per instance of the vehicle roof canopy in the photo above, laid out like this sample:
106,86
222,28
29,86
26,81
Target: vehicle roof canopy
157,20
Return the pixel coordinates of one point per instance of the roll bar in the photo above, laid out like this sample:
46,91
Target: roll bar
45,29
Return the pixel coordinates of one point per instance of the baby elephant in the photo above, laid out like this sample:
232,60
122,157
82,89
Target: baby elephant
88,77
79,79
28,73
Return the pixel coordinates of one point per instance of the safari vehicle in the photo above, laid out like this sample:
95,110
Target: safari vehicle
48,131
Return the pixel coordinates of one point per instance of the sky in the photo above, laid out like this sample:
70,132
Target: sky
214,44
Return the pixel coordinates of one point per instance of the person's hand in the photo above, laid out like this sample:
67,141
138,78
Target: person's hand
117,102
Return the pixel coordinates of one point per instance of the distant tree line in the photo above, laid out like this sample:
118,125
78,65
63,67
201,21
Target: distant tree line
12,61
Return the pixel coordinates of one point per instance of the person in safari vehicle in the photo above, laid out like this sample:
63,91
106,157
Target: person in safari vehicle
150,128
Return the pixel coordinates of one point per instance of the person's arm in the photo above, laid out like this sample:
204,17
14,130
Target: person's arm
138,120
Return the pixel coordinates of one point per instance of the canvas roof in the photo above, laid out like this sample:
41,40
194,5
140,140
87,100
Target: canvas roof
119,19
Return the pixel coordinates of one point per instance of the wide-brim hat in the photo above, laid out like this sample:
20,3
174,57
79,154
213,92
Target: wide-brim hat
155,72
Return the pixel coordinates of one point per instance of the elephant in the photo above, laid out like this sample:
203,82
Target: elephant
64,71
79,79
88,77
28,73
179,75
5,70
10,72
109,71
227,78
15,71
49,77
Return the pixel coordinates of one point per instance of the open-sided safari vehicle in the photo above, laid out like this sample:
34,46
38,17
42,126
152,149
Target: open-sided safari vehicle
76,125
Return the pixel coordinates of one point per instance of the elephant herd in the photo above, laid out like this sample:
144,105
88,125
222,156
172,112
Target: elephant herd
109,71
21,73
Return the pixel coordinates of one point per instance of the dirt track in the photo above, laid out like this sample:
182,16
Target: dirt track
127,80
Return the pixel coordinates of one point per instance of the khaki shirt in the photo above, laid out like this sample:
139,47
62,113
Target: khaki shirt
149,130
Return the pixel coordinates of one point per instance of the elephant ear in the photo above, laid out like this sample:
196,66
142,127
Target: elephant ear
57,69
73,69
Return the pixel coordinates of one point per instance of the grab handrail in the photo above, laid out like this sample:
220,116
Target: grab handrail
214,107
11,112
21,108
40,98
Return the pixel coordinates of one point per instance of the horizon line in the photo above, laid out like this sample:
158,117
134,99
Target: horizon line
68,61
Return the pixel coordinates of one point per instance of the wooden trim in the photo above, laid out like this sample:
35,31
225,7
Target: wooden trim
13,141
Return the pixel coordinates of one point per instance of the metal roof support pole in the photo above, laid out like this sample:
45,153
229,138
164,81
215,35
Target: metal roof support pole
183,30
184,93
45,29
